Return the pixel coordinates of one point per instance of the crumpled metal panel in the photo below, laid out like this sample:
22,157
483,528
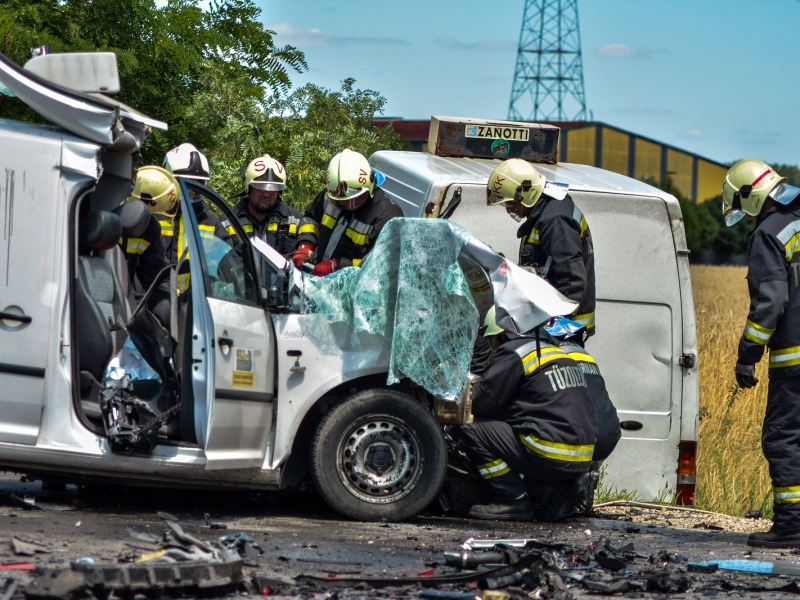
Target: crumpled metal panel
411,291
94,118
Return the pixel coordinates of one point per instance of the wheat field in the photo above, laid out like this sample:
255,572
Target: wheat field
732,473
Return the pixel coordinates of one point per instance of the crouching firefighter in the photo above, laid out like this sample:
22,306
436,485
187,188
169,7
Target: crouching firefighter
534,430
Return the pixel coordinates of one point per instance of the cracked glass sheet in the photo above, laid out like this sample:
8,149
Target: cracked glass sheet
411,290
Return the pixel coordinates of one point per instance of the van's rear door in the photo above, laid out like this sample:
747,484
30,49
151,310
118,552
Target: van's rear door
645,324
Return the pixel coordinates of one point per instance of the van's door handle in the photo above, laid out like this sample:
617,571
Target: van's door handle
631,425
225,341
7,316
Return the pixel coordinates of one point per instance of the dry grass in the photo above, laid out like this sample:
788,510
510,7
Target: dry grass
732,474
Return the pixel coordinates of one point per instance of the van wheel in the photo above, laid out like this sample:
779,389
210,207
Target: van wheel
379,455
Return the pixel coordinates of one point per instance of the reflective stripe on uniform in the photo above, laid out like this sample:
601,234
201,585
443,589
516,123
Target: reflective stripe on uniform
493,469
274,227
786,495
308,228
790,238
357,261
136,246
558,451
785,357
531,360
581,357
587,319
580,220
206,231
331,215
756,333
167,228
358,232
533,237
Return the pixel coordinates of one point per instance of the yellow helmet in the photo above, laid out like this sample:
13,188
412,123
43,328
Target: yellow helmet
157,188
517,180
265,173
349,176
187,161
745,188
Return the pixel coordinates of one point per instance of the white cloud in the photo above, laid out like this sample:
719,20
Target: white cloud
483,45
624,51
301,38
286,33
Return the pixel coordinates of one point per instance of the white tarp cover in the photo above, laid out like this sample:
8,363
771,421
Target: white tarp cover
411,291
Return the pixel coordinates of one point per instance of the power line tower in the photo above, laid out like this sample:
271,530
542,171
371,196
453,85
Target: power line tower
548,77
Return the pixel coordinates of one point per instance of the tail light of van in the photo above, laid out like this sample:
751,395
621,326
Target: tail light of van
687,472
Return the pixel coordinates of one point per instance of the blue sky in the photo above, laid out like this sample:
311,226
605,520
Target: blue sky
713,77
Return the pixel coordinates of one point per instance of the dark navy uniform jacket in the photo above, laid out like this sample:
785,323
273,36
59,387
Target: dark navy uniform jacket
773,281
555,239
344,235
542,394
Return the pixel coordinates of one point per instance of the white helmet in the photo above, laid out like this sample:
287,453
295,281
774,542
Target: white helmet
745,188
265,173
349,176
517,180
187,161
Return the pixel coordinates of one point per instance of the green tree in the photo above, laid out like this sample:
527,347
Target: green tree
303,130
168,55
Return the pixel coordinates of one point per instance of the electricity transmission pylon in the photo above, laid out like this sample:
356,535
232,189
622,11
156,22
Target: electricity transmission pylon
548,77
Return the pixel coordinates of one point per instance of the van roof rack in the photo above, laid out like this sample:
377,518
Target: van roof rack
478,138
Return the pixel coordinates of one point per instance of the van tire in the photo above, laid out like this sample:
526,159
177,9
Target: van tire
379,455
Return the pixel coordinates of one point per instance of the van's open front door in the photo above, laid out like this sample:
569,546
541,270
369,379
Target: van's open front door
232,341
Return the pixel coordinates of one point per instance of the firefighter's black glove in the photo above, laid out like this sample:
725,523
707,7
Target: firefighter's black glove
746,375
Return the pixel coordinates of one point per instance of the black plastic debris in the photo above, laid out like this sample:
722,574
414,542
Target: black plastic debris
196,578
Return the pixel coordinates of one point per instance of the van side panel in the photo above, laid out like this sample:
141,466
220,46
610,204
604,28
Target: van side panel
29,192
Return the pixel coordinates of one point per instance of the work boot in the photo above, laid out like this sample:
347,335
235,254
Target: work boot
520,509
585,500
774,538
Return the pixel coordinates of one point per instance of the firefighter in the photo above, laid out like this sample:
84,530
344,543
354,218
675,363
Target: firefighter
340,226
142,239
554,238
262,213
187,162
533,417
753,188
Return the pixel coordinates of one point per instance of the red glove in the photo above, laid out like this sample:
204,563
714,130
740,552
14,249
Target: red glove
302,254
324,268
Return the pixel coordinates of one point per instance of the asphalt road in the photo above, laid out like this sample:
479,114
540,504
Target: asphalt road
306,551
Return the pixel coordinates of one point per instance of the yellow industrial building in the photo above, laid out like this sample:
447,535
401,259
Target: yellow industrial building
602,145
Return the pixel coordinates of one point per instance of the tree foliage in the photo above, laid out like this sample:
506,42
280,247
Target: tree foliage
214,75
168,55
303,130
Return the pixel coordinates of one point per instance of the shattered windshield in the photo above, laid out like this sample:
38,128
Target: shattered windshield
413,292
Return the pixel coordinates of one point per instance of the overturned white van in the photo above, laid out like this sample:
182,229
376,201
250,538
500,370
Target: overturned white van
646,342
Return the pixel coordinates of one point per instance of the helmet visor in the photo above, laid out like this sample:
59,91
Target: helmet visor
268,186
346,193
493,199
732,209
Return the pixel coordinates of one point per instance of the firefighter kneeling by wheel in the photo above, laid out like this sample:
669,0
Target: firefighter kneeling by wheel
535,432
